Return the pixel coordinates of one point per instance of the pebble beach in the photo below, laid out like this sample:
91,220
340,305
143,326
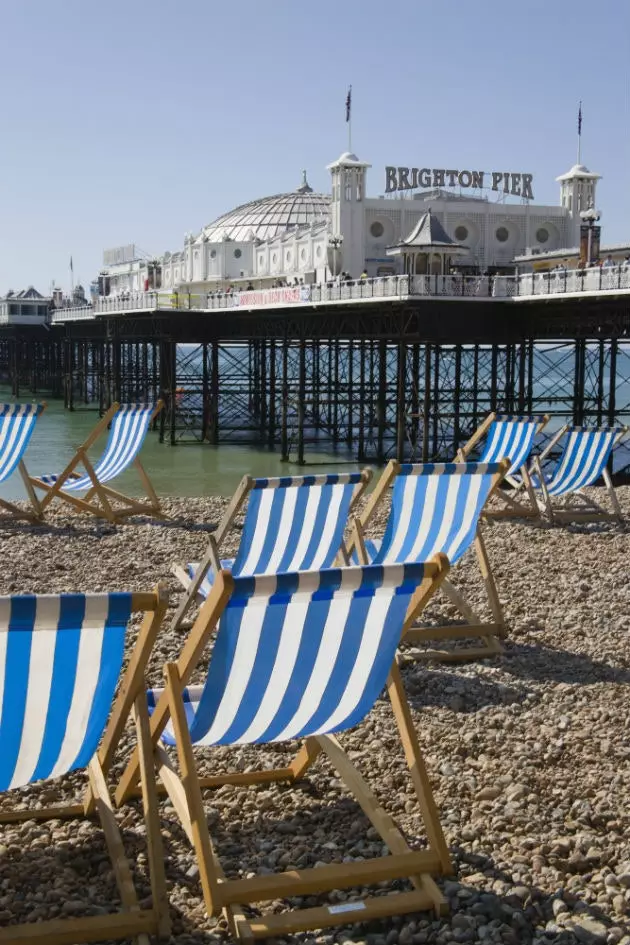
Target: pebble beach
528,752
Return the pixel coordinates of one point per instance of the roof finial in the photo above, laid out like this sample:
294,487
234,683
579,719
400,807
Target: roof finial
305,188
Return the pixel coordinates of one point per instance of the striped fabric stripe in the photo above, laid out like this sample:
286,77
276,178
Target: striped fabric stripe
291,524
126,436
17,422
435,507
60,660
299,654
511,437
583,460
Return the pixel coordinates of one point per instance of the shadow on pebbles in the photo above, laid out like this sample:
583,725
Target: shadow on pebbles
529,753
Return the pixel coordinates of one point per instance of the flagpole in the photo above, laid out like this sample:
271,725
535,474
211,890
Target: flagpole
579,147
349,117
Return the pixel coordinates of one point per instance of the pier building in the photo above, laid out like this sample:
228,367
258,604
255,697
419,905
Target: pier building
305,237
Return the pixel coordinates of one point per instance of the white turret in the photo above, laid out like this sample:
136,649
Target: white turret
577,193
348,175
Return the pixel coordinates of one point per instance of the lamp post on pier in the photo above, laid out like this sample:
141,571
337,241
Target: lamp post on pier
591,233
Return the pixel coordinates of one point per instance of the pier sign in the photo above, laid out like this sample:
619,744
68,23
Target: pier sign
120,254
411,178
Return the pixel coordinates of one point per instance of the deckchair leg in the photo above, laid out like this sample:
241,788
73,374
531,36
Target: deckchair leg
527,479
488,578
155,849
19,513
198,822
613,496
387,828
29,490
543,487
417,768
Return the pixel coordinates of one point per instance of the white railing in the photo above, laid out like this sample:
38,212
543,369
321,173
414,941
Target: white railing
572,281
599,279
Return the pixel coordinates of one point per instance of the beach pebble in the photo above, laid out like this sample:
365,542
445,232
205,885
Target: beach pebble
527,753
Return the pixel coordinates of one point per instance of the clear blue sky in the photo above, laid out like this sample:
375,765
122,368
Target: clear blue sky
138,120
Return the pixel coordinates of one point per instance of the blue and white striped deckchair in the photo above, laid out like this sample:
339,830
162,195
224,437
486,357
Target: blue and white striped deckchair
61,659
583,460
299,656
17,422
436,508
292,523
129,426
508,438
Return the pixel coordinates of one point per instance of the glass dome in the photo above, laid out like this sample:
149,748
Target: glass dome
263,219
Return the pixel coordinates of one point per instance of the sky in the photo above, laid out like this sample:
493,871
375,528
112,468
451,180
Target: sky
136,121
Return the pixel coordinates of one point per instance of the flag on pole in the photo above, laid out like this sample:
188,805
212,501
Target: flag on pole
348,103
580,119
71,266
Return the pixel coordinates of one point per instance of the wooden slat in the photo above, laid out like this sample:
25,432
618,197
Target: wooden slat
172,785
113,839
417,769
133,680
194,802
324,878
45,813
74,930
155,847
321,917
463,655
456,632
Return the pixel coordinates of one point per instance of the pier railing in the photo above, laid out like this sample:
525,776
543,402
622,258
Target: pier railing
525,286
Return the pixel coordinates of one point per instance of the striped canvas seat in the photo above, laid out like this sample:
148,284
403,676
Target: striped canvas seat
511,437
60,660
583,460
436,509
126,436
292,523
300,654
64,705
17,423
129,426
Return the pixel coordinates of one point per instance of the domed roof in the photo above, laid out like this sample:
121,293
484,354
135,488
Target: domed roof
263,219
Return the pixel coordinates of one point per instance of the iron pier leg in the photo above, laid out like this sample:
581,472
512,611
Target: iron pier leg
426,406
301,419
284,433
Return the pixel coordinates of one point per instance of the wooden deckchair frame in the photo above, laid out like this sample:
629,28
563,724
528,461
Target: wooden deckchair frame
590,510
131,920
490,634
104,495
14,510
185,792
514,508
212,559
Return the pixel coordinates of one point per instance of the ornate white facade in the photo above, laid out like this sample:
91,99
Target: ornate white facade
288,237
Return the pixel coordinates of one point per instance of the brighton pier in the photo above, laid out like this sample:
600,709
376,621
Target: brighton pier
402,366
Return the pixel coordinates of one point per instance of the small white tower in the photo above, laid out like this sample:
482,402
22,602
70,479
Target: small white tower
577,193
348,175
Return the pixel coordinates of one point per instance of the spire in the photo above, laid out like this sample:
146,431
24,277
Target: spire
306,187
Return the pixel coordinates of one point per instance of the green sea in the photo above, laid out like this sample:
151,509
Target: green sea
182,470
